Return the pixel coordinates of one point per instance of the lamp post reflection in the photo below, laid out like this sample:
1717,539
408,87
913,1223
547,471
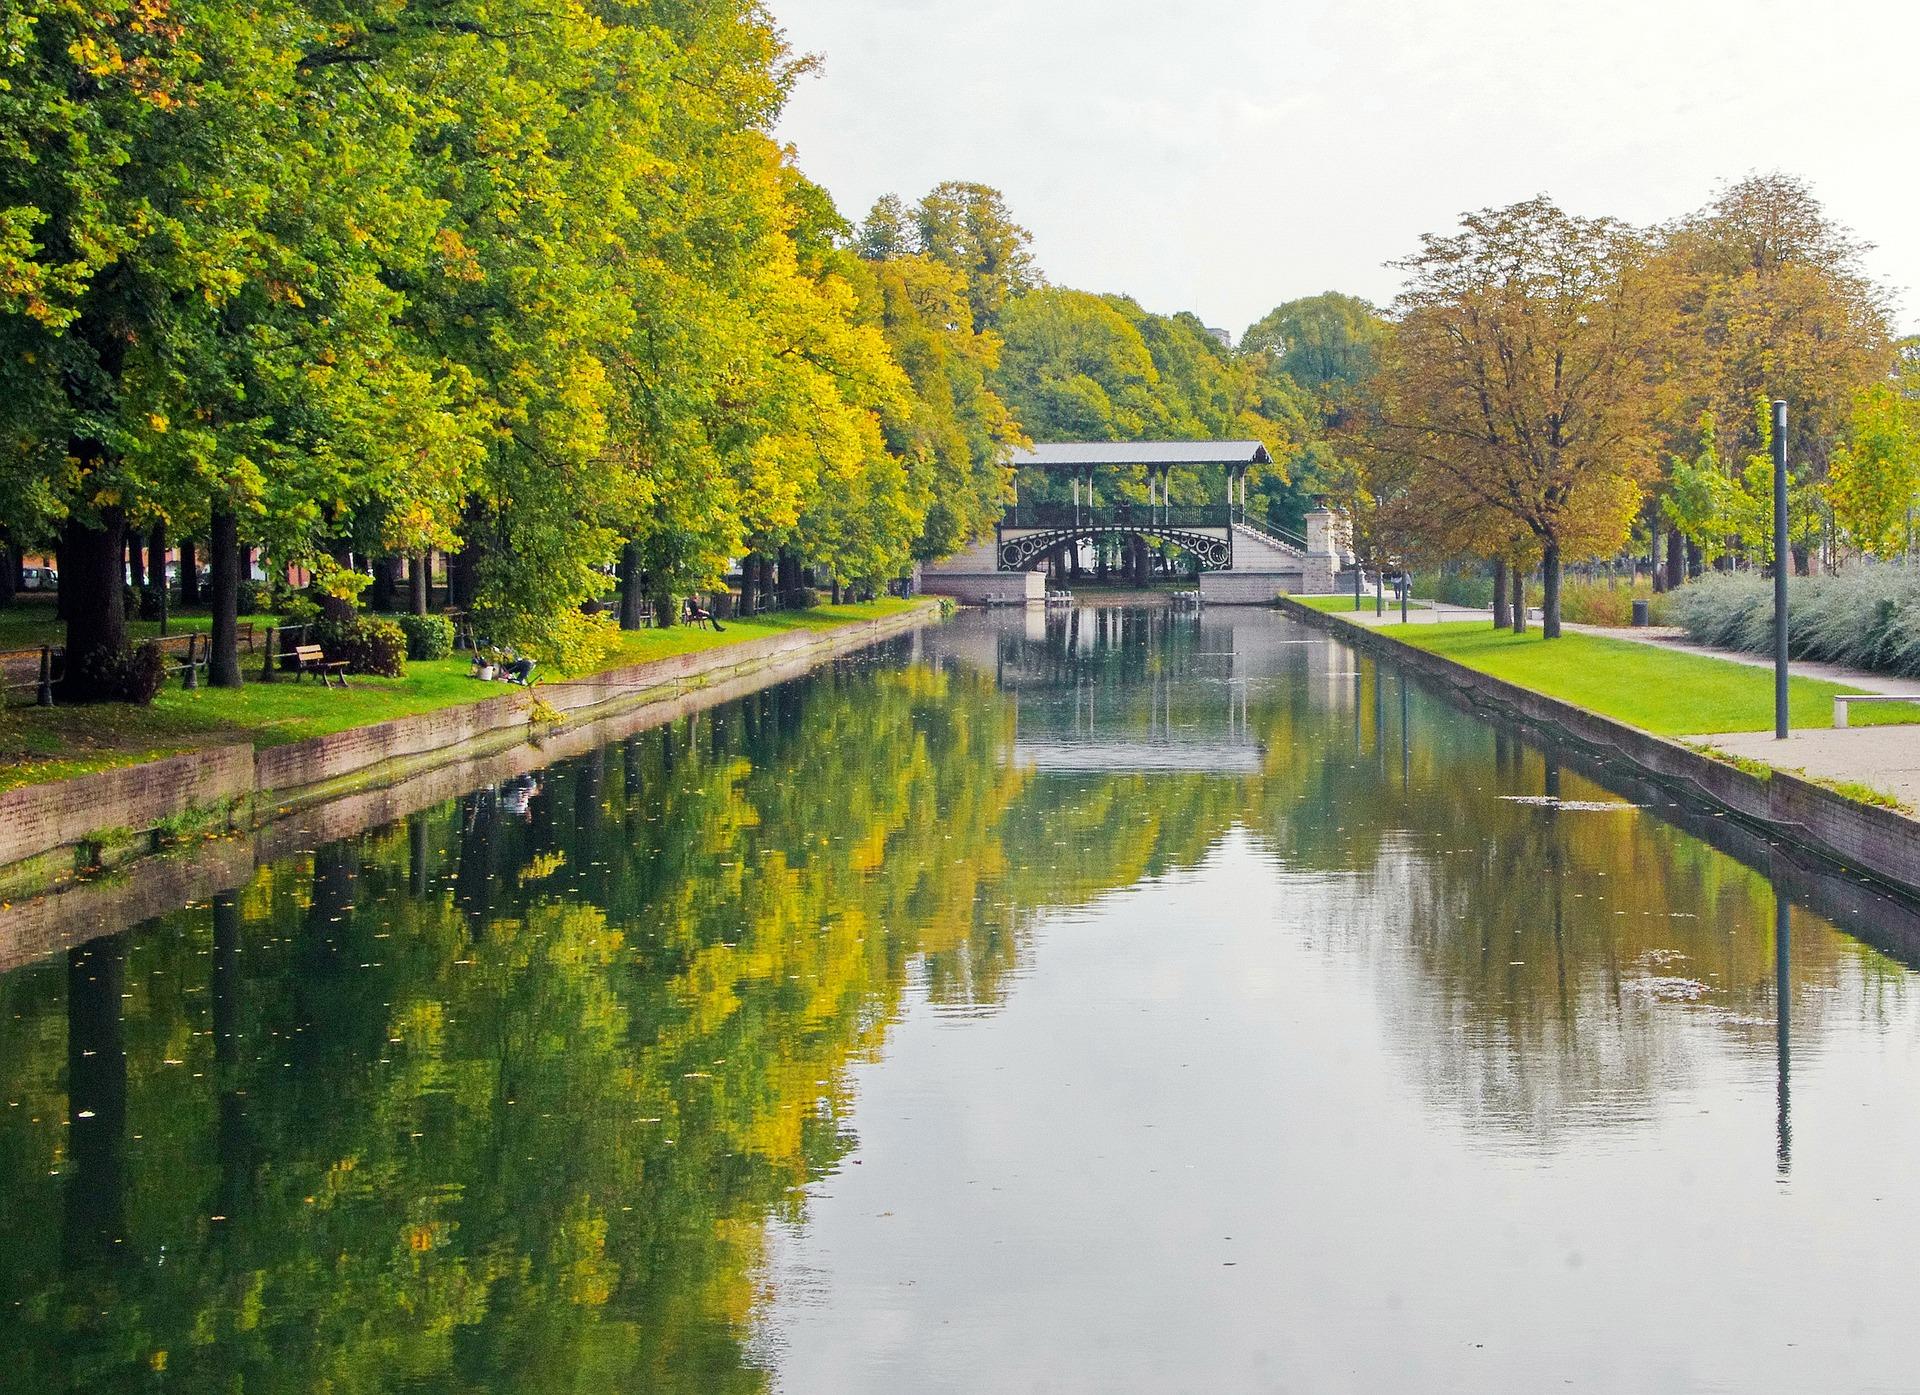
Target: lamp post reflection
1783,1018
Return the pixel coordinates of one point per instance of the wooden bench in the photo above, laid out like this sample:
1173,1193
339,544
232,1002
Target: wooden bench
311,658
1840,701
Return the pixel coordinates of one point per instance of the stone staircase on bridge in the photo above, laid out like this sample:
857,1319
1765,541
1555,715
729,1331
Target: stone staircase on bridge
1266,564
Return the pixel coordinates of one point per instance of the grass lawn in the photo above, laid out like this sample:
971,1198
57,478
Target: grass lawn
48,743
30,622
1656,690
1335,604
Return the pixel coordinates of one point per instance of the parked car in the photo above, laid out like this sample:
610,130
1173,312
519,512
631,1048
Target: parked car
39,579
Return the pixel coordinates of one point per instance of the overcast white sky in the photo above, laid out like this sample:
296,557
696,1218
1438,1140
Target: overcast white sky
1221,156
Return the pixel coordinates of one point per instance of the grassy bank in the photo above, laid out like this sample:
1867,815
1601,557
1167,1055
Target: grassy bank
48,743
1657,690
1333,605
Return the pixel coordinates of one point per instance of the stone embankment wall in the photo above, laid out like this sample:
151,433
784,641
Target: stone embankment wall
49,831
1881,843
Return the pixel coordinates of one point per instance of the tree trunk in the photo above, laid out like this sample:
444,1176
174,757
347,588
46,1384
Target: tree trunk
157,571
420,567
189,573
666,609
60,571
463,568
1502,611
1676,560
1519,601
338,608
1550,591
9,575
136,560
223,586
386,584
96,1135
633,586
93,580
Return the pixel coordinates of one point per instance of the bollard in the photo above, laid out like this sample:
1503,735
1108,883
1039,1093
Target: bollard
44,696
266,669
192,680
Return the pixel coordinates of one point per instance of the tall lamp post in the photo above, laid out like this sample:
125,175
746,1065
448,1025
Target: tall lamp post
1782,560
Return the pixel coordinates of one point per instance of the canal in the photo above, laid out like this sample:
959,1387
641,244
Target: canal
1106,1001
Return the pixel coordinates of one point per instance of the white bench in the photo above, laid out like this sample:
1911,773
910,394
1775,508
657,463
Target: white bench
1840,701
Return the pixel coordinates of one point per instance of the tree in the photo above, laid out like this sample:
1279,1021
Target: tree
141,150
967,226
1875,477
1520,372
1769,300
1328,343
889,232
1074,368
955,427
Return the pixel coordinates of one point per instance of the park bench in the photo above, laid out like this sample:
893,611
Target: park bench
311,658
1840,701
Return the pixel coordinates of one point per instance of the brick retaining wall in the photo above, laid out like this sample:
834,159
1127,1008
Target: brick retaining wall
1881,843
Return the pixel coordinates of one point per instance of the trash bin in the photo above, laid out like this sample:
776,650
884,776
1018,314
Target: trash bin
1640,616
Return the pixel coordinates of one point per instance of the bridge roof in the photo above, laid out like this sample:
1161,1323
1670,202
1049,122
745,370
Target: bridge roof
1068,455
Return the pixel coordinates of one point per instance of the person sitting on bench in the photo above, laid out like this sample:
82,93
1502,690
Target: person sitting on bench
698,614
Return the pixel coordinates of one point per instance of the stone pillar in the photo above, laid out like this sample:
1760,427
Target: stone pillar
1326,533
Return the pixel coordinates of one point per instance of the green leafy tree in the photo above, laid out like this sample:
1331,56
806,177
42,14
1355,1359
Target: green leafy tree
1875,477
968,227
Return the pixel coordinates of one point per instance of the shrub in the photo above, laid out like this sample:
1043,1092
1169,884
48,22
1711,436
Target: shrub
255,597
145,673
1455,587
1593,601
135,674
149,603
428,636
298,608
369,644
1866,617
800,598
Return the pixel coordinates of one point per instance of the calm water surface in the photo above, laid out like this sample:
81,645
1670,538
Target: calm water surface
1109,1002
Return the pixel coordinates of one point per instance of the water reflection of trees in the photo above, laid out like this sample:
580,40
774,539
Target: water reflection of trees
547,1058
503,1096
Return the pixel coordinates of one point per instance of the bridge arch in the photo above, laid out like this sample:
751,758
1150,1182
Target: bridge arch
1028,549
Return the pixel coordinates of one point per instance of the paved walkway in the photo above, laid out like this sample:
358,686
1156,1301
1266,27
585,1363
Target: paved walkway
1883,758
